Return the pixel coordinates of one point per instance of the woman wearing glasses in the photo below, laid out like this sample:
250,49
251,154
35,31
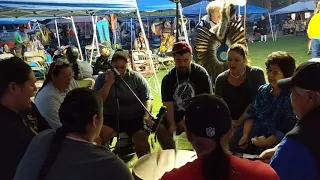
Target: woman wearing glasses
270,116
57,84
131,115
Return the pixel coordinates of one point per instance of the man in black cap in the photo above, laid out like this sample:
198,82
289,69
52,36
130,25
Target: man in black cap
105,51
297,156
208,128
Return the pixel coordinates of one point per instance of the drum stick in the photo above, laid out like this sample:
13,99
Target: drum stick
176,144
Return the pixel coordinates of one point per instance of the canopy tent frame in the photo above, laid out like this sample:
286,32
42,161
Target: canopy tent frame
61,8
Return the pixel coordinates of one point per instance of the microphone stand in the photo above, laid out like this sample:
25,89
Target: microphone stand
118,78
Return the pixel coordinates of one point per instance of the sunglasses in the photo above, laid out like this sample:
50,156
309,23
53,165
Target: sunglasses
59,63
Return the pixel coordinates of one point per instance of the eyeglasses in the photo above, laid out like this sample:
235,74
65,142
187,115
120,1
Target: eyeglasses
120,68
273,71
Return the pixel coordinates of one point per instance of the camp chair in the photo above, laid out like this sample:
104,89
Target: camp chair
33,56
141,63
5,56
86,83
37,69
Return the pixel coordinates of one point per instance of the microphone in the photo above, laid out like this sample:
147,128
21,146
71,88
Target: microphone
160,115
115,71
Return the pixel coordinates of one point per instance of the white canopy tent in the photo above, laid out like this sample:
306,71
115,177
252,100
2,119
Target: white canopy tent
300,6
62,8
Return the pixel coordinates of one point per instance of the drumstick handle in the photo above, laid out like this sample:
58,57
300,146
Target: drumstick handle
160,115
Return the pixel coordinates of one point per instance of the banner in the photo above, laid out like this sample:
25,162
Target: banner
103,31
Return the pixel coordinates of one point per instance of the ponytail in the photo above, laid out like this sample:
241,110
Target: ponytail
216,165
76,70
72,56
53,152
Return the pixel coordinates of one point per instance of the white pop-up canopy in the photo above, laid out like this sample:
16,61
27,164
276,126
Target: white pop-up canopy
62,8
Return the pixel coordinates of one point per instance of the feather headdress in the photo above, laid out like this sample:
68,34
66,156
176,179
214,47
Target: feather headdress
212,44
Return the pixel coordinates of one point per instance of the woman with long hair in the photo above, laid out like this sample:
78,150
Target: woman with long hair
70,151
57,84
139,43
239,84
81,69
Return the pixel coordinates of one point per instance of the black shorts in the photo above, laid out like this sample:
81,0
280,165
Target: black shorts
128,126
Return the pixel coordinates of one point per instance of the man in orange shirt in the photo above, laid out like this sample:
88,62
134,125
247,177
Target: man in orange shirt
208,128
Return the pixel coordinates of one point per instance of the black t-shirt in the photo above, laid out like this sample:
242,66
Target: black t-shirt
237,97
100,65
190,84
15,138
33,118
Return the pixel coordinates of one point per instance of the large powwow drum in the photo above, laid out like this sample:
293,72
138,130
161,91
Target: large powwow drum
155,165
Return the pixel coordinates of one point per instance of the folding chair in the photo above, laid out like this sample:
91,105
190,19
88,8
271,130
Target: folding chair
5,56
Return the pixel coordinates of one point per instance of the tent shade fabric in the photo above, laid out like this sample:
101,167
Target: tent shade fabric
300,6
59,8
200,8
17,21
155,5
76,19
152,8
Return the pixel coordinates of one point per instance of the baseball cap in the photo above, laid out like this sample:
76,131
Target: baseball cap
180,46
302,77
208,116
105,44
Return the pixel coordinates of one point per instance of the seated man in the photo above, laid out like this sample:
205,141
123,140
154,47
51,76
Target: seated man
105,51
179,85
297,155
131,116
17,86
208,128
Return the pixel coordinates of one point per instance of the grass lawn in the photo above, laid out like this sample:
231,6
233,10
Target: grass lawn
258,51
295,45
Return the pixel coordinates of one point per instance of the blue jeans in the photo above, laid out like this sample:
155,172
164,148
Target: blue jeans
315,48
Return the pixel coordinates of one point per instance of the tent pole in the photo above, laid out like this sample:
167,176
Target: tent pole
186,38
43,37
148,50
93,39
57,32
131,32
200,12
76,34
97,41
245,19
177,20
270,20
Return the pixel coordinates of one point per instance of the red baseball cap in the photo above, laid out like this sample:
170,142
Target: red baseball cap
180,46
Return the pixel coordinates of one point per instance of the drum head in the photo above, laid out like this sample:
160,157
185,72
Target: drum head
155,165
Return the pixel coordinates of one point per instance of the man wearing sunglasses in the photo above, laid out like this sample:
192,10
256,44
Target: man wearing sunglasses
131,115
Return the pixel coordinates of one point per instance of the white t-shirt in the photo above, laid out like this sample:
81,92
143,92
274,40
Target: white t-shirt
49,100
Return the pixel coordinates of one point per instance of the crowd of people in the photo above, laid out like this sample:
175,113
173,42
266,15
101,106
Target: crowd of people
66,132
